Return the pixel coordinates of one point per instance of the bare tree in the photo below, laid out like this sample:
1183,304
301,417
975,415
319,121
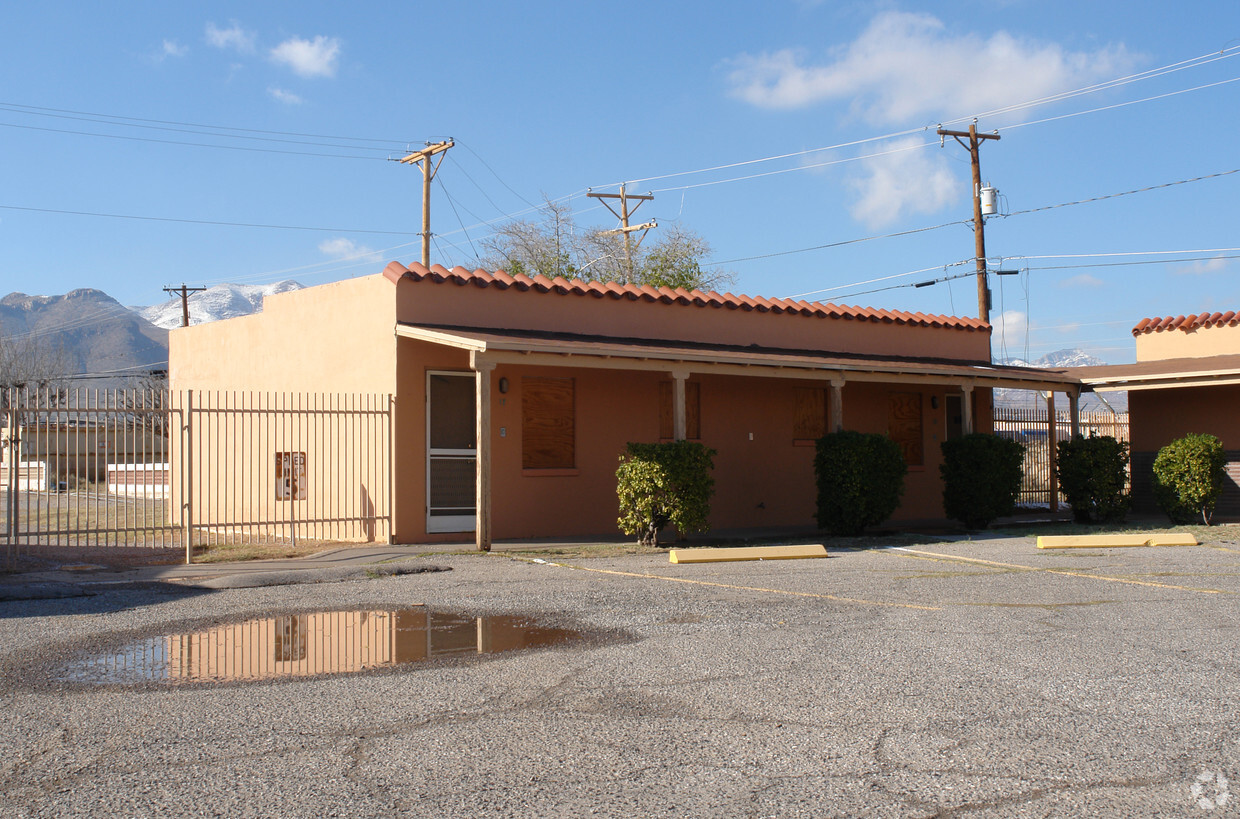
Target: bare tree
555,245
29,363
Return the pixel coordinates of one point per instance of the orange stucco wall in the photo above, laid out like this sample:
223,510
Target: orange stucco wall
1158,417
427,302
1197,343
766,481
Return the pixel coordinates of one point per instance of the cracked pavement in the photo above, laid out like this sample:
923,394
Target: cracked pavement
970,678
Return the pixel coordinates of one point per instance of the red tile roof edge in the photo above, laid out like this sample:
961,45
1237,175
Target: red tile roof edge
438,274
1159,324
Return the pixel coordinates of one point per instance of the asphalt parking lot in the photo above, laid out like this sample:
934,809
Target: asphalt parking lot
961,678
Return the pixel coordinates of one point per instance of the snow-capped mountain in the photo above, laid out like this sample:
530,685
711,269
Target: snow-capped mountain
1073,357
219,302
1060,358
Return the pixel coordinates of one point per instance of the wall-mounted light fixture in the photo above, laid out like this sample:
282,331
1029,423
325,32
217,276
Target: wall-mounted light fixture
934,402
503,385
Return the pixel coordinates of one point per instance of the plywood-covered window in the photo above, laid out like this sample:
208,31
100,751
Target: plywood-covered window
904,425
693,411
548,423
810,407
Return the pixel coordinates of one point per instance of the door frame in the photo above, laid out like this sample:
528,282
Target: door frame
443,524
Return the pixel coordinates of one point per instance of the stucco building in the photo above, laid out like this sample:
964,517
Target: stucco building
514,396
1186,380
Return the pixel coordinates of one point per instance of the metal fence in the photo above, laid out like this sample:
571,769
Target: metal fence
1032,428
148,469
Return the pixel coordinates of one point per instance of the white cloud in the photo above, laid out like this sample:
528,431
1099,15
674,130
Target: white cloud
907,181
1082,280
346,249
907,66
309,58
1010,327
1201,268
234,37
286,97
171,48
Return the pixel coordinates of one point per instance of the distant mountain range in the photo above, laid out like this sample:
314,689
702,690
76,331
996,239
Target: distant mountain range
88,332
84,331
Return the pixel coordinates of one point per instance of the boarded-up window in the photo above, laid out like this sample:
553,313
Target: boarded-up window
811,413
904,425
548,423
693,411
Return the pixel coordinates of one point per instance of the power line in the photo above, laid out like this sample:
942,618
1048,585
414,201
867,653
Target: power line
485,195
487,165
845,242
191,144
20,108
212,222
391,146
1122,104
1122,193
1151,73
452,204
1194,62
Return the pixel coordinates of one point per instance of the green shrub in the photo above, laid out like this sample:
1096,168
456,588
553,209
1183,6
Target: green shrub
860,480
1188,477
981,478
664,484
1092,472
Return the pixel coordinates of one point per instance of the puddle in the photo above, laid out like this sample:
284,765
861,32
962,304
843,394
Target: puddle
310,645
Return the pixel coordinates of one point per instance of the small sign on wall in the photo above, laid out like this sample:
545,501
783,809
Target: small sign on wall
290,476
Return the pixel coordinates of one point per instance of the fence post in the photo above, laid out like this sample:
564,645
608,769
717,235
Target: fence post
14,456
187,475
1052,422
391,472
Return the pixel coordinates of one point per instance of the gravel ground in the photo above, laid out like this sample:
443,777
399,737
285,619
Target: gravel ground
966,678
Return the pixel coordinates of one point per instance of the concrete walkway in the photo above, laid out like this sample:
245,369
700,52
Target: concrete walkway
351,562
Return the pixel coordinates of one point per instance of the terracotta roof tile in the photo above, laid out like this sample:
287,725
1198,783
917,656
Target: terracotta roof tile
1159,324
696,298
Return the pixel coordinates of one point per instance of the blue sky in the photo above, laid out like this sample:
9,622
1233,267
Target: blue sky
819,118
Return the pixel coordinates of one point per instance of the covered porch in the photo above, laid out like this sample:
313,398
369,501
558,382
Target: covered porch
719,394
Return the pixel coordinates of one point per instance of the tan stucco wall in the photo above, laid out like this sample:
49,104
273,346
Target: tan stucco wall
329,340
428,302
1199,343
336,337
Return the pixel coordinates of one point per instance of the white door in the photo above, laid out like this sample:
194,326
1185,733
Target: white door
451,452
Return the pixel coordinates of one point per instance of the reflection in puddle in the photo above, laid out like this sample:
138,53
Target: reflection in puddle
310,645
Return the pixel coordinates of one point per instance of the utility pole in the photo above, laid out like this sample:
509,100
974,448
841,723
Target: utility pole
183,292
625,228
428,173
979,230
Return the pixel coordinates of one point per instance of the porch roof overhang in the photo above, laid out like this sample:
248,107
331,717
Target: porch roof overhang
574,350
1164,374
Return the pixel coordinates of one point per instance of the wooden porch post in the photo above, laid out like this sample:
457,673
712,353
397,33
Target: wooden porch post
1053,454
966,409
837,405
1074,412
679,424
482,481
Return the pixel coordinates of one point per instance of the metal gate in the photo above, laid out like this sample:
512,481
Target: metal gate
84,471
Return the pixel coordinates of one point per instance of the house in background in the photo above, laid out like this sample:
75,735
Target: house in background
1186,380
514,396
